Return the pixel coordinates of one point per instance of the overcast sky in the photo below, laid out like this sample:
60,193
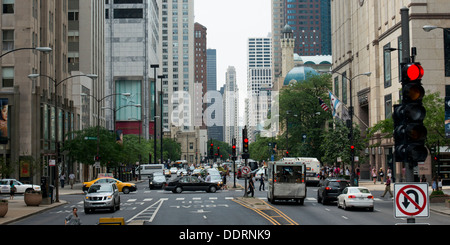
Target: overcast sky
230,23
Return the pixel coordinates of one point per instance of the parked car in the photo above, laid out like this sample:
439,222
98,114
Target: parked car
124,187
330,190
190,183
356,197
156,181
20,187
104,195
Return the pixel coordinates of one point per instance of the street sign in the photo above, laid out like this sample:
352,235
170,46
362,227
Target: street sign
246,170
411,200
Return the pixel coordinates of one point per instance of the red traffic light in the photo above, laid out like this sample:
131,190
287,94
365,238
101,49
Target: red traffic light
245,140
352,147
414,71
234,147
212,145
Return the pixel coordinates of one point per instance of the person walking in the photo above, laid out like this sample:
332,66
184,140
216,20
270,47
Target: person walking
251,186
388,187
374,175
261,183
73,219
62,178
12,190
71,180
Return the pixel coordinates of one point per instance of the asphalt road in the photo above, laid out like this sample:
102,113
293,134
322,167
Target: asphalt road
158,207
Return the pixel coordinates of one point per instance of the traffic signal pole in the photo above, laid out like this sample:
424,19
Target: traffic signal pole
406,47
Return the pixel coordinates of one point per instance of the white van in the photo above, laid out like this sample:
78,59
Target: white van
148,169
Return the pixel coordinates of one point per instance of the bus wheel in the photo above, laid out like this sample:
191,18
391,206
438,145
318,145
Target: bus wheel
301,201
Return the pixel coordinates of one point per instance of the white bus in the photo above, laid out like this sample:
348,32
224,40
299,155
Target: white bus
287,180
312,169
148,169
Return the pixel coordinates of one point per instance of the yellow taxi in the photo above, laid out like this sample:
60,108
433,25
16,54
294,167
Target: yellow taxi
123,186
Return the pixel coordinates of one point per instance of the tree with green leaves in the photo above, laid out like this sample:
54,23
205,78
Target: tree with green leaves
336,144
299,106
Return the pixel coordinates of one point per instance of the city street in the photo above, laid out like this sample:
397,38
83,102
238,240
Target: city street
158,207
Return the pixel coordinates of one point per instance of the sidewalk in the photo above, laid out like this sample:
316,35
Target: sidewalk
436,207
17,209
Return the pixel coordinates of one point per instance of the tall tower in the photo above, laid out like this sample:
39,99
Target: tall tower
259,83
178,64
287,50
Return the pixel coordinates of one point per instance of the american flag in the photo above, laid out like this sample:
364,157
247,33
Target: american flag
323,105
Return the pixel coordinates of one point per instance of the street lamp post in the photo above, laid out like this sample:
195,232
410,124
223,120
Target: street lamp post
351,112
154,66
56,84
161,118
40,49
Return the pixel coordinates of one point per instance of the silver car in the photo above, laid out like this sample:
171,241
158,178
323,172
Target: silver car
105,195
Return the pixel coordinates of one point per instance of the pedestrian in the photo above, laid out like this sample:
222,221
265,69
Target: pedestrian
62,178
208,178
261,183
224,182
439,183
12,190
73,219
71,180
251,186
434,184
388,187
381,173
374,175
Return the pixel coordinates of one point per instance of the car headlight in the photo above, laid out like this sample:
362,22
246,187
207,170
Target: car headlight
109,197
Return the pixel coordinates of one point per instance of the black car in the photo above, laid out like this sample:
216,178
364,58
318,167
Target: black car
156,181
191,183
331,189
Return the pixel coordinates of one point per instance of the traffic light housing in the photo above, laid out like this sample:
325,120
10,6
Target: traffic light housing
97,158
233,150
211,151
409,131
245,152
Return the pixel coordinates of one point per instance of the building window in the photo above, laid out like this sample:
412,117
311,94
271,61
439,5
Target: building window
128,13
447,51
8,77
8,6
8,40
336,86
344,87
388,106
387,66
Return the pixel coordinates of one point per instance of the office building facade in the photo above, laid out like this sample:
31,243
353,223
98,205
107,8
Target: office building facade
131,48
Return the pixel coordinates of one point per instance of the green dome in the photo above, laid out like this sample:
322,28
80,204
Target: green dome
299,74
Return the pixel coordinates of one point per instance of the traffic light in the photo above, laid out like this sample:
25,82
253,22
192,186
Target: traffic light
287,153
245,153
245,140
409,131
218,151
211,151
233,150
97,158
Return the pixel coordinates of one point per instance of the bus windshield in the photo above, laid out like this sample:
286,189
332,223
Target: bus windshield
288,174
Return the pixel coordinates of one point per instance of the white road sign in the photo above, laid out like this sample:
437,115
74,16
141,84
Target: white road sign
411,200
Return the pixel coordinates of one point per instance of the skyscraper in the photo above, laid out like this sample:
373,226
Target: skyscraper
178,63
311,22
231,106
131,34
259,83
